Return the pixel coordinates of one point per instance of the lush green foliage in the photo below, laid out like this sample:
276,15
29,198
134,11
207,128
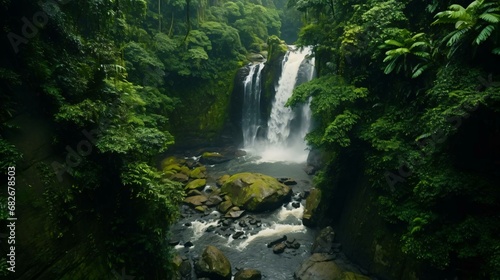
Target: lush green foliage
478,22
129,73
429,145
414,47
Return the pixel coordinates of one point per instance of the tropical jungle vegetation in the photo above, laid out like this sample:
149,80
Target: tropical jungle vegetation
407,95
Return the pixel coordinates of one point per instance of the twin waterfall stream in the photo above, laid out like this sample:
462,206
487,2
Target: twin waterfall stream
275,146
282,138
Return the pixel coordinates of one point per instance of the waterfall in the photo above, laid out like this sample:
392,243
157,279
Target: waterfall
286,127
251,121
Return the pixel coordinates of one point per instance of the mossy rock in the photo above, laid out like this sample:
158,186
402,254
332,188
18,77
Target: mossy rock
172,167
222,179
201,208
354,276
169,174
213,264
248,274
310,210
319,267
197,184
256,192
177,262
213,158
224,206
198,173
171,160
185,170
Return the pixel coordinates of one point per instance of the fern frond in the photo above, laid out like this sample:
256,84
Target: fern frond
484,34
456,36
490,17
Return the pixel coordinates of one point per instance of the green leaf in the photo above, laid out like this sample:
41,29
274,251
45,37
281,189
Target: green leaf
484,35
491,18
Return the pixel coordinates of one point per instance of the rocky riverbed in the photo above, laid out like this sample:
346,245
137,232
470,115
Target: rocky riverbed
242,220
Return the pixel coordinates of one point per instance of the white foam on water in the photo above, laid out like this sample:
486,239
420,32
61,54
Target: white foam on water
284,213
199,227
206,188
273,230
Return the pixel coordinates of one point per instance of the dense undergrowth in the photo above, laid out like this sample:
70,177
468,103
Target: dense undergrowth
413,87
115,79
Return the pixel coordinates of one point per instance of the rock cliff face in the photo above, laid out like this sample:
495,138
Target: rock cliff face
56,251
350,206
270,75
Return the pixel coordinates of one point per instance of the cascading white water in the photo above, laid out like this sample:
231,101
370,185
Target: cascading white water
286,127
251,121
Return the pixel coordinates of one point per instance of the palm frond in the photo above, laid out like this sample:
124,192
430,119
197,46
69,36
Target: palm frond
393,43
418,44
398,51
390,67
422,54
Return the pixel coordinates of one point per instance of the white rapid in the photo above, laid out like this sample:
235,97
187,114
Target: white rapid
286,127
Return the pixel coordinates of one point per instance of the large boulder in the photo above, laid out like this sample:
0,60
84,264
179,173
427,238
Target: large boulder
248,274
222,179
324,241
354,276
182,267
256,192
213,158
309,218
319,267
213,264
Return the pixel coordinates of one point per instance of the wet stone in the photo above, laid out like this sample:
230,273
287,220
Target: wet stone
173,242
210,229
238,234
188,244
243,224
280,240
279,248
